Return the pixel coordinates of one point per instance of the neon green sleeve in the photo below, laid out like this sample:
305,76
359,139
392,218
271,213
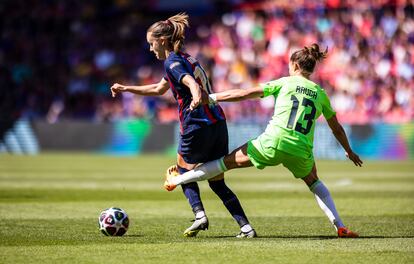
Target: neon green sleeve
327,110
272,87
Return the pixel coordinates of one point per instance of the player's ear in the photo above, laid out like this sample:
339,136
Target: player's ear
296,67
163,41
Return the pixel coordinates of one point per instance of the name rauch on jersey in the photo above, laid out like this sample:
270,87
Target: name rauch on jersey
306,91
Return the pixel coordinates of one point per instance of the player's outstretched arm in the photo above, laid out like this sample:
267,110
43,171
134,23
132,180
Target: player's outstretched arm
235,95
340,135
150,89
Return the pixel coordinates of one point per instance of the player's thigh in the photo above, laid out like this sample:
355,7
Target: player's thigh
217,144
300,167
262,152
190,149
238,158
204,144
216,141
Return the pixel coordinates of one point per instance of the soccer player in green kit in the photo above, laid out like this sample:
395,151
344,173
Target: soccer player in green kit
288,138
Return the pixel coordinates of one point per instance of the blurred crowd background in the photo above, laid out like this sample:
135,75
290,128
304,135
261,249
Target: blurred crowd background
58,59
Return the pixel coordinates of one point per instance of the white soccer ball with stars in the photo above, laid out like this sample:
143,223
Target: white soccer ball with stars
113,222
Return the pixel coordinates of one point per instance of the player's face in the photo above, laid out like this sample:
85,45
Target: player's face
156,46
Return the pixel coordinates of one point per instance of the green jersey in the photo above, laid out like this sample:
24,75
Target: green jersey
298,104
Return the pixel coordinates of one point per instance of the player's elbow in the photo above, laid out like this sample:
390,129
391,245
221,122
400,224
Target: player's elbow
334,125
335,132
337,129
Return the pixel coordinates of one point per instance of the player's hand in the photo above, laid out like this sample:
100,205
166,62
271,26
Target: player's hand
117,88
355,158
195,102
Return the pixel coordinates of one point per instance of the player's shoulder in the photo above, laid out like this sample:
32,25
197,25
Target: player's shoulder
276,82
173,57
312,85
173,60
322,95
321,90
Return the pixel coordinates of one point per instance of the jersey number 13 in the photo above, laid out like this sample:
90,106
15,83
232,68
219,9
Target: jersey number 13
309,118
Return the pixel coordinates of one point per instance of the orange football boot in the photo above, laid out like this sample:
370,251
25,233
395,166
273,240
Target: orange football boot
172,171
344,232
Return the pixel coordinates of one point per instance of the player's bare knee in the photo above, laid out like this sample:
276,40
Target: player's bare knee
311,178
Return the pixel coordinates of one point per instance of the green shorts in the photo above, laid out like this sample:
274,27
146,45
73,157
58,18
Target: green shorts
263,152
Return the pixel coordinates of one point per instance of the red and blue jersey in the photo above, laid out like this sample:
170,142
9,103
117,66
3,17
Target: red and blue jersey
176,66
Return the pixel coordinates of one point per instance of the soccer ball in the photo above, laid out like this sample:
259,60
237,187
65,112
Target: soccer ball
113,222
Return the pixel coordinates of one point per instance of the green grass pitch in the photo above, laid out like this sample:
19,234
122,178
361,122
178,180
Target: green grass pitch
49,205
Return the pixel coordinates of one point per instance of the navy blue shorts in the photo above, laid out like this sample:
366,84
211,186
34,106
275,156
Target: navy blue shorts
205,144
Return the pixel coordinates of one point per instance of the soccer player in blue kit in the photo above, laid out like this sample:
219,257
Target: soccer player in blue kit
203,128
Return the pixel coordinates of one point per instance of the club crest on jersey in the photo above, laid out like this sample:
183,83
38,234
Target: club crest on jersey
172,65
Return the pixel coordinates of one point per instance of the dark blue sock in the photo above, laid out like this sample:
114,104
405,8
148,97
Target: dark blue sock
192,192
230,200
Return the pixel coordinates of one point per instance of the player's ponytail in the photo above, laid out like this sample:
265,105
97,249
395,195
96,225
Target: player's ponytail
173,29
307,57
179,22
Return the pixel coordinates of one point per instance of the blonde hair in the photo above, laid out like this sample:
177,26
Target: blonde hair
173,29
307,57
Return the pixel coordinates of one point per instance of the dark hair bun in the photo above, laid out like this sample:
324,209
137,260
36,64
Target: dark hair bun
314,51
